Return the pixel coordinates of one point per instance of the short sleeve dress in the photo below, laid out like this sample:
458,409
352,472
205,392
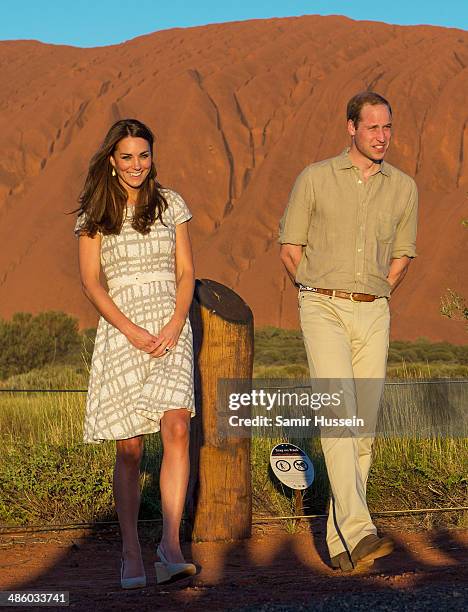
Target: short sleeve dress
129,390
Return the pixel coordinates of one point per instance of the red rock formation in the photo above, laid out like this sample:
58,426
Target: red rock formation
239,109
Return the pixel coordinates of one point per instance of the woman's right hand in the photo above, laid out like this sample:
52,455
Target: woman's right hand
141,339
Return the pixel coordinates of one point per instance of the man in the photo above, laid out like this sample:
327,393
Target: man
347,238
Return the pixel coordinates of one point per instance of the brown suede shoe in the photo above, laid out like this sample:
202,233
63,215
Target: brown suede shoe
344,563
372,547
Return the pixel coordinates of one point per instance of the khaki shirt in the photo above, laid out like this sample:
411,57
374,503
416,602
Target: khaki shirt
351,229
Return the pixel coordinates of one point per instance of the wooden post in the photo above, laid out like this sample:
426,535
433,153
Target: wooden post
298,504
219,499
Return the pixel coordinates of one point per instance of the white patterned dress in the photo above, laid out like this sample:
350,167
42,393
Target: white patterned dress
128,389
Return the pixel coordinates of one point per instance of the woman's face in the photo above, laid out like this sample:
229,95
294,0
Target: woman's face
132,163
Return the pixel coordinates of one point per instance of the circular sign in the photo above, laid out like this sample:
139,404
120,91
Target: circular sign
292,466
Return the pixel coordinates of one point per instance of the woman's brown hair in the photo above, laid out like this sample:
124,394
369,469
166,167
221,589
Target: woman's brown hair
103,199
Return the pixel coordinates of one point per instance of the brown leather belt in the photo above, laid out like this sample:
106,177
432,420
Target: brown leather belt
353,296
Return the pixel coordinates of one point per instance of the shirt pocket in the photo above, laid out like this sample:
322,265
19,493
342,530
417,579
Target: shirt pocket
385,227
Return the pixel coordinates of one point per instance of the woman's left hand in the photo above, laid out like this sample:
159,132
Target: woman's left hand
168,337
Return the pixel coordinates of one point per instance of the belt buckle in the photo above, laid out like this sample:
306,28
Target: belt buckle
351,297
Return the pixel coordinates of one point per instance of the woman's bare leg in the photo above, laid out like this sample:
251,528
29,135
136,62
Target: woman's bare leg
173,480
127,501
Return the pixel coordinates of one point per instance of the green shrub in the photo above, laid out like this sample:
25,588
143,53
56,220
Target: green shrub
28,341
49,377
42,483
277,348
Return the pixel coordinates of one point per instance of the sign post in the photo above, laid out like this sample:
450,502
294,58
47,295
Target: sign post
292,466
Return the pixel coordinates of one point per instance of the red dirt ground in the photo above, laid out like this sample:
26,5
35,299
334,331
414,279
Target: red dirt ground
272,567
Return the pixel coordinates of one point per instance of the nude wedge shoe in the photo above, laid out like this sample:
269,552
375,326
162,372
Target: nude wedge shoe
165,570
137,582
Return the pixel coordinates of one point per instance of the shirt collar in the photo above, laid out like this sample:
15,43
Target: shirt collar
343,162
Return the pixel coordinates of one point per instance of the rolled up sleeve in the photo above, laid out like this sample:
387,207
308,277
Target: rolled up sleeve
405,237
294,225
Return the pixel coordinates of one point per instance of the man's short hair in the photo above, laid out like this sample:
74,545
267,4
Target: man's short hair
353,110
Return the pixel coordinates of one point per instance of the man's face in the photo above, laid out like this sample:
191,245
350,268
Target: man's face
372,135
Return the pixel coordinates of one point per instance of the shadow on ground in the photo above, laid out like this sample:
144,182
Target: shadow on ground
273,570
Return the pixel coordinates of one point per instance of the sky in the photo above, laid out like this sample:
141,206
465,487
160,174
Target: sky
92,23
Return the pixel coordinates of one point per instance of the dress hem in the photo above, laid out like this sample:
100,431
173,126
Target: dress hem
88,440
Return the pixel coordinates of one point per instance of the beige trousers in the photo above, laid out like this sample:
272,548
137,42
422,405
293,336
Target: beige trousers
347,340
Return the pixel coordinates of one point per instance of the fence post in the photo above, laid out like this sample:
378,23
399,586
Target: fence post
219,499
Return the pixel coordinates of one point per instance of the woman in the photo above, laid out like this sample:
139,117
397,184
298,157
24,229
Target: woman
142,368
